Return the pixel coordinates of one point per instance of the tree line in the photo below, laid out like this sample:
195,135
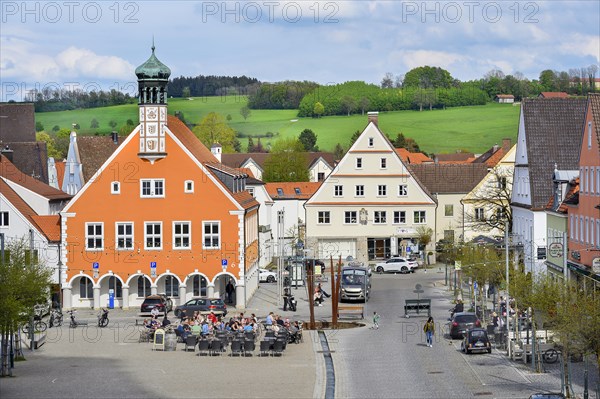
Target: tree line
54,99
200,86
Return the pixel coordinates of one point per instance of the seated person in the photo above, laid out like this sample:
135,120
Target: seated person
196,329
248,328
269,320
318,298
279,321
184,331
205,329
165,321
212,318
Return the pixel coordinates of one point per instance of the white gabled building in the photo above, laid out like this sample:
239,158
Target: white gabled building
370,206
550,133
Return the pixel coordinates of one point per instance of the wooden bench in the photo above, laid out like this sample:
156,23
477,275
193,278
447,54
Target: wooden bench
351,310
417,306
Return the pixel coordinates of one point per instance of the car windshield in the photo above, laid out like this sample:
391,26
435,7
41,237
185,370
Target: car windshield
466,319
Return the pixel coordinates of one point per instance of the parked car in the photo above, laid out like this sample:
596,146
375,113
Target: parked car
396,264
160,301
201,305
461,322
267,275
547,395
476,340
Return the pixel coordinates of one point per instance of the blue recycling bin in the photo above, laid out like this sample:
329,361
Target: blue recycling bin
111,299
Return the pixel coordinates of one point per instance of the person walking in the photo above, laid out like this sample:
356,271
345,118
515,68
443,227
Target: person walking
429,329
229,288
375,321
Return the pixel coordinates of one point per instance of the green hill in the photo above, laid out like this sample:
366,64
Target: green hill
475,128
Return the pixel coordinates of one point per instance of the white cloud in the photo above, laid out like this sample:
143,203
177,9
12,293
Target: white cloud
579,44
413,59
85,63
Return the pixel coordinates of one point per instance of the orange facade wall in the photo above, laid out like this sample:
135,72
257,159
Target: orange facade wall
207,203
589,197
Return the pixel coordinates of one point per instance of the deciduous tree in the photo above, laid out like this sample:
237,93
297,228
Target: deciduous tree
213,129
308,138
286,162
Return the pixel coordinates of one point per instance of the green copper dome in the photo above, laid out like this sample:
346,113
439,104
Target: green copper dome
153,69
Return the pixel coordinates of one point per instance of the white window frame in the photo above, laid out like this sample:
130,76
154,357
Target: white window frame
94,236
153,235
154,187
115,187
211,234
323,217
371,142
182,235
361,188
172,282
379,217
359,163
399,216
338,190
422,216
383,163
479,214
402,190
350,217
88,293
589,139
250,190
382,190
124,236
4,219
188,186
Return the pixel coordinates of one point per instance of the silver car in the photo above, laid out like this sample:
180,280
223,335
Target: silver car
396,264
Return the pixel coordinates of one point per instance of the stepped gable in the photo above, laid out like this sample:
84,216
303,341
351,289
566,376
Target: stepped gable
553,131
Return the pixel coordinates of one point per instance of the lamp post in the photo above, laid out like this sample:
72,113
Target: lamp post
507,289
59,265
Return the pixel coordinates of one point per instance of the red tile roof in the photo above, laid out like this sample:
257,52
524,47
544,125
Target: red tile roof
413,157
10,172
553,94
49,226
307,189
206,157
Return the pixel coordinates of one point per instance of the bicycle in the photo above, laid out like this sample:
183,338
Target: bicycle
38,326
550,356
56,318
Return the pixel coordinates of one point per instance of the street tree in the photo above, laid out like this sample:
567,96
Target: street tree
489,203
25,282
308,138
213,129
286,162
245,112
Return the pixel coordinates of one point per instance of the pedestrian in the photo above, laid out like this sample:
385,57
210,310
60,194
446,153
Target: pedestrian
229,288
375,321
286,298
429,330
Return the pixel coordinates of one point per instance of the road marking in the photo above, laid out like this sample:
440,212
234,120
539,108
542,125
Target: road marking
464,357
54,380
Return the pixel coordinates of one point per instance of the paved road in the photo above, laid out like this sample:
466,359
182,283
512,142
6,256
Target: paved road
394,362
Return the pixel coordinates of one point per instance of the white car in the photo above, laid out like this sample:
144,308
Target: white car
266,275
396,264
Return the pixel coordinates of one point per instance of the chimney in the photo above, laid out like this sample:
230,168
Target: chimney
115,137
373,117
506,144
216,149
8,153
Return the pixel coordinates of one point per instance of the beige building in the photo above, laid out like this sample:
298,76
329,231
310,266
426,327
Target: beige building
370,206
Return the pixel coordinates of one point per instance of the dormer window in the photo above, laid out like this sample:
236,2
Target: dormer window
189,186
280,192
371,141
297,190
115,187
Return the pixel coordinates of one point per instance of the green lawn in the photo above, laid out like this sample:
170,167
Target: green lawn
474,128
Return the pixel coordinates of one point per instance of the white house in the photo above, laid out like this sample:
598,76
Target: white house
550,133
370,206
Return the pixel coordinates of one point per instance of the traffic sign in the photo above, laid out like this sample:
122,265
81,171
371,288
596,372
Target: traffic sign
224,262
96,265
152,265
152,269
457,265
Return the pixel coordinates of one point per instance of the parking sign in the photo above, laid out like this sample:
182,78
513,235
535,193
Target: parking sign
152,269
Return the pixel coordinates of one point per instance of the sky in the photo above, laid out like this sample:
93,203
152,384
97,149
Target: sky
98,44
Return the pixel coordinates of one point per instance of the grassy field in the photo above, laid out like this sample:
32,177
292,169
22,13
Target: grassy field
474,128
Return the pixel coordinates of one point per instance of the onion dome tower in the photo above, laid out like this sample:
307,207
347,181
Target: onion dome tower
153,77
